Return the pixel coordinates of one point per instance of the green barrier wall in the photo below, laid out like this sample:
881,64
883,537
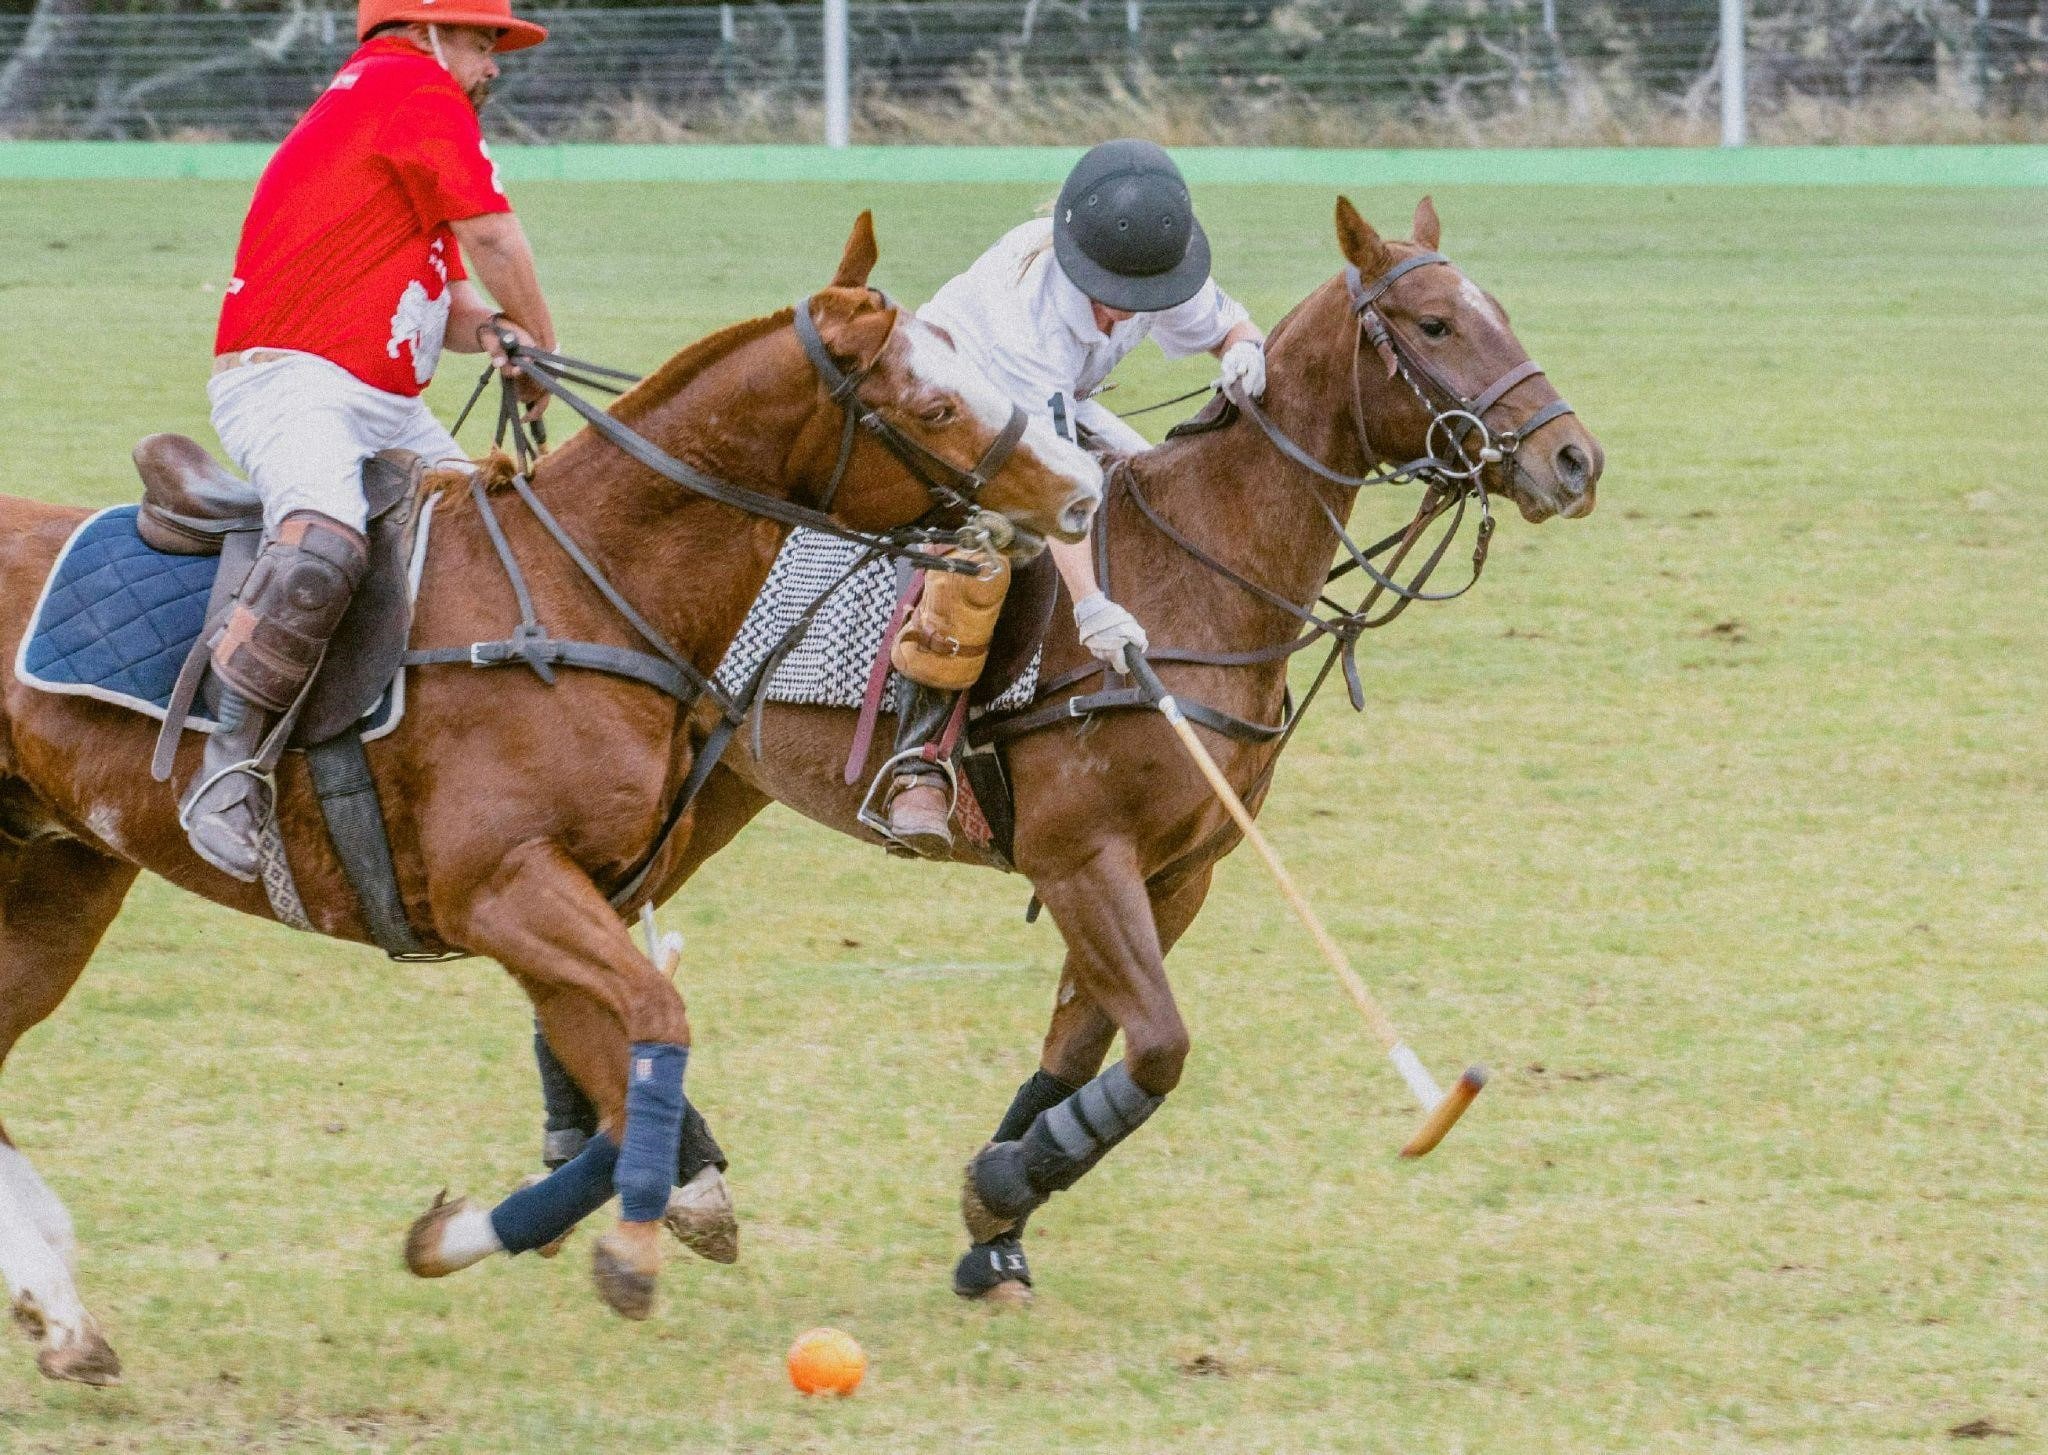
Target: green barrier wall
1959,166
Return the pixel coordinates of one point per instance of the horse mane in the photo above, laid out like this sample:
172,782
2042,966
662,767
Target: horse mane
663,384
671,378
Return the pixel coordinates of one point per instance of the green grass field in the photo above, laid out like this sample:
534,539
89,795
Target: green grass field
1715,823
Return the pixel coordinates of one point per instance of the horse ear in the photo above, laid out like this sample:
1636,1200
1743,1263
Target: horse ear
1361,246
851,323
859,258
1428,231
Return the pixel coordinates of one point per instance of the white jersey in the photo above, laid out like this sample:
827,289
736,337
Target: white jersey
1017,315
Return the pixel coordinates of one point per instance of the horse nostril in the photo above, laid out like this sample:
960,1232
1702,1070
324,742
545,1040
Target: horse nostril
1573,467
1079,512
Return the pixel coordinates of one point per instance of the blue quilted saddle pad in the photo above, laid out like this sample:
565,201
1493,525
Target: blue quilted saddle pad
117,620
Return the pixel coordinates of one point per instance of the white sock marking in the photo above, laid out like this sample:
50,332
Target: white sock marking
468,1238
35,1243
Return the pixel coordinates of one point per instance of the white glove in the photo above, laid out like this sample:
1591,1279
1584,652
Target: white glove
1244,368
1107,629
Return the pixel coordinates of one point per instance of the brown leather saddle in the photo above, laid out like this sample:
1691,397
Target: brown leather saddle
193,506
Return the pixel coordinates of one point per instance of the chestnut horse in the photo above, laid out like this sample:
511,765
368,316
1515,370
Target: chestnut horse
1116,830
512,805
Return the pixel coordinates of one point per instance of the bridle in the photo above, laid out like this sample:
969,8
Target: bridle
1454,474
944,481
1402,357
949,485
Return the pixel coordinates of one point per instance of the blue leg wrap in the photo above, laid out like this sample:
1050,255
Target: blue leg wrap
654,1128
536,1216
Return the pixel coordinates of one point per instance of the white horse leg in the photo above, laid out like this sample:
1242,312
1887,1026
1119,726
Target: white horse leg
36,1252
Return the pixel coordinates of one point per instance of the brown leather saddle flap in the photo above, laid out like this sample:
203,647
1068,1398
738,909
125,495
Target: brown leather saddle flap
1217,413
369,646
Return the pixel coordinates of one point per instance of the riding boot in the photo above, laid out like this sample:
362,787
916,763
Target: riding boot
265,655
920,801
224,814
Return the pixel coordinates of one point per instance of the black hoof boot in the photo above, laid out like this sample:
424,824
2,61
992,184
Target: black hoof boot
996,1194
994,1271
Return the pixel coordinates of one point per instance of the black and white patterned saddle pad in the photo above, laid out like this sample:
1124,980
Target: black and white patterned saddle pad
830,666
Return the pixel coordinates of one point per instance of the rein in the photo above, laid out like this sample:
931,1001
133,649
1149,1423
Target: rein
1453,481
948,484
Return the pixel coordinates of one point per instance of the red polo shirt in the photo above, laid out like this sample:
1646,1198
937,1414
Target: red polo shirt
347,252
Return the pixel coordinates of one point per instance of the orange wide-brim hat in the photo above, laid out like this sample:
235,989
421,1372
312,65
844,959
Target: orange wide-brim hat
513,34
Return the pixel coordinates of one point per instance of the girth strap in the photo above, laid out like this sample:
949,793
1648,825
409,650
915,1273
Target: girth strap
355,823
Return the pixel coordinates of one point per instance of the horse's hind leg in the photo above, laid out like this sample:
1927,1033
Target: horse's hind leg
57,898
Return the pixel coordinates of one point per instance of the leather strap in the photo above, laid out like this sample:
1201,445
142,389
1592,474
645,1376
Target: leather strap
542,651
355,824
700,773
878,679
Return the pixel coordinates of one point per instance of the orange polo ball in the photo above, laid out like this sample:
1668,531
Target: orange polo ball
825,1361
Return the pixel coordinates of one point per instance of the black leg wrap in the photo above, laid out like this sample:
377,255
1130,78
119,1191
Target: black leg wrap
571,1120
1071,1138
985,1265
699,1148
1013,1177
1041,1093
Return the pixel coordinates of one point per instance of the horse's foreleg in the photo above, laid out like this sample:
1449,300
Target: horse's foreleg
57,898
619,1027
700,1211
1114,959
1076,1042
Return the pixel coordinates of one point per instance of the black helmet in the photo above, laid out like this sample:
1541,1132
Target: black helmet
1125,231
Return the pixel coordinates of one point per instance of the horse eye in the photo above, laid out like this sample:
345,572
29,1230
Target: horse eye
1435,327
940,413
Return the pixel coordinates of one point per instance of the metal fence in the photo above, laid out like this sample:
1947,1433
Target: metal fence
1330,71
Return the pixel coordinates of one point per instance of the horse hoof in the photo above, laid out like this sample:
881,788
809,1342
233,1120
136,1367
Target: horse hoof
1009,1294
426,1250
994,1195
626,1264
700,1216
88,1360
983,1226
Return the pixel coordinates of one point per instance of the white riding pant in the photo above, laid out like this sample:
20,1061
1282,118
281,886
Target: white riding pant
1099,420
300,427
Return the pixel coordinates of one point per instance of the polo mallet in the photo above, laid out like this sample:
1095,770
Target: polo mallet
665,950
1443,1109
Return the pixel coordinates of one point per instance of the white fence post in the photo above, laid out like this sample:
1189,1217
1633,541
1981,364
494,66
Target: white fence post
836,105
1734,76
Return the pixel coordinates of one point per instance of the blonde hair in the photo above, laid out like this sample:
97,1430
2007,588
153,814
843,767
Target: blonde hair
1043,209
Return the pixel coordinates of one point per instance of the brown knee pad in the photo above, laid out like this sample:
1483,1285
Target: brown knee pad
288,608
